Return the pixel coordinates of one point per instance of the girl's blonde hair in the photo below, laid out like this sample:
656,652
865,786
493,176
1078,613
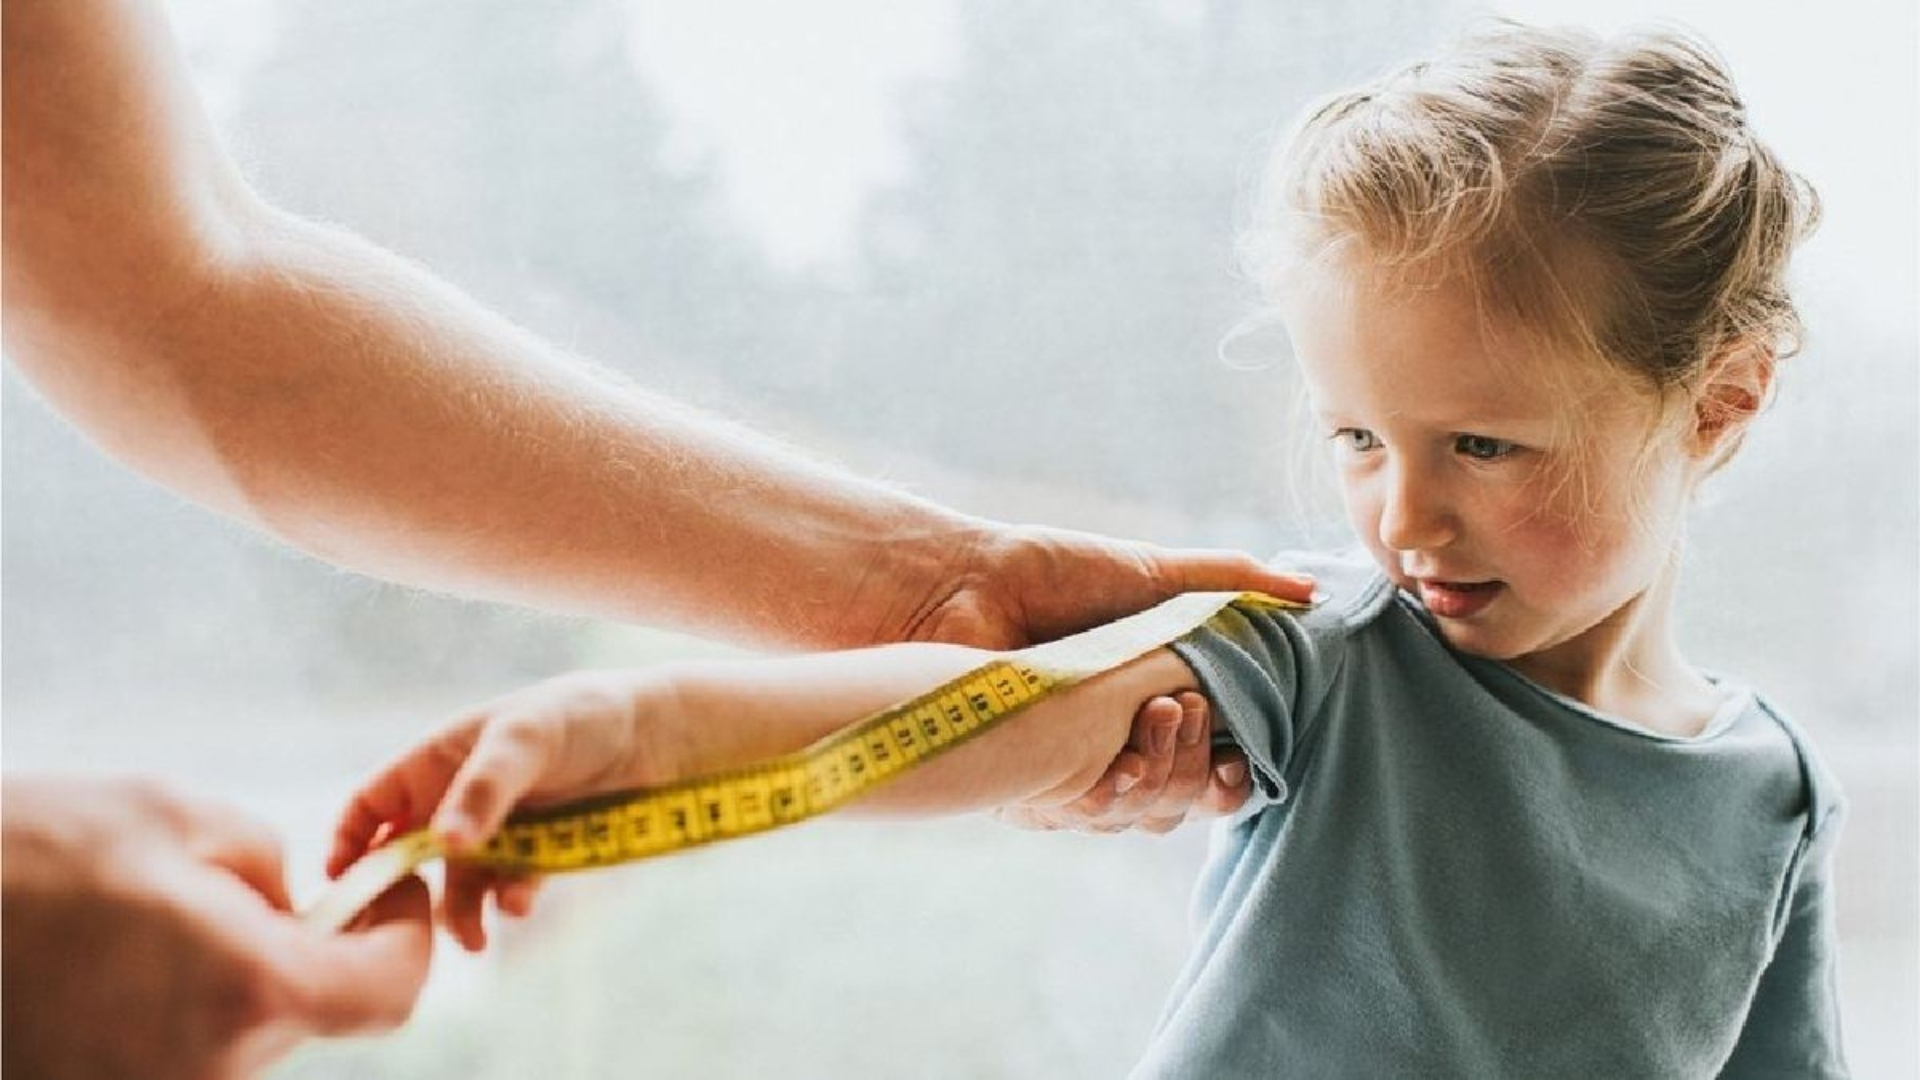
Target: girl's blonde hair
1606,192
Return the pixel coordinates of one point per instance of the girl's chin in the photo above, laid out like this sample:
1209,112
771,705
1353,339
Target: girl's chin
1480,641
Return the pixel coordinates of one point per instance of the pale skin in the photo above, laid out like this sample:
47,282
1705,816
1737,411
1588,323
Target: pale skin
1458,467
182,957
593,732
1540,515
306,383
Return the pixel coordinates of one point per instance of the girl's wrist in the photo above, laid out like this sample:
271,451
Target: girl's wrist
695,719
666,739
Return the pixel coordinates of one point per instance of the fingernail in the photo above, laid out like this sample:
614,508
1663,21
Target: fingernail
1190,728
1124,783
1231,773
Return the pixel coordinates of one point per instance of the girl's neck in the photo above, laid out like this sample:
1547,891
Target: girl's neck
1630,666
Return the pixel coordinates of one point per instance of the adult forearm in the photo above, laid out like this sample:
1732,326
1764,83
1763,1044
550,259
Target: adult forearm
307,382
351,403
430,441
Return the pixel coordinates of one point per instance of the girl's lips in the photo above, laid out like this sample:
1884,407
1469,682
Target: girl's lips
1458,599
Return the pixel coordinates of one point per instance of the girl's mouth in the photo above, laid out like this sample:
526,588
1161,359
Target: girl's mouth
1458,599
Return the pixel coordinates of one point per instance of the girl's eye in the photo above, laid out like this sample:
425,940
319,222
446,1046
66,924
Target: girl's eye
1356,439
1483,448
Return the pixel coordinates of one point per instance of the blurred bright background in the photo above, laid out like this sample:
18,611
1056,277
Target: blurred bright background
983,249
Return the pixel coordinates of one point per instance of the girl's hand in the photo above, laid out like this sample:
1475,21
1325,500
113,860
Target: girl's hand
560,740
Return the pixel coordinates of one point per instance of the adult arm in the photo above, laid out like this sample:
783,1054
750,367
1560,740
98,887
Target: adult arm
310,384
151,935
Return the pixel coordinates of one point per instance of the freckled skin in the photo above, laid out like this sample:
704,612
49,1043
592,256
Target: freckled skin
1453,441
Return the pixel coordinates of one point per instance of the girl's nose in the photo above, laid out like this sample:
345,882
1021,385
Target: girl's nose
1414,515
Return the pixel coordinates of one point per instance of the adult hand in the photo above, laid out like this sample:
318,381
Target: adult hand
151,935
1034,584
1025,584
1168,770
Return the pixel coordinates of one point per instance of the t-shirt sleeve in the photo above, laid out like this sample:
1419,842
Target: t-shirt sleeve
1793,1026
1256,668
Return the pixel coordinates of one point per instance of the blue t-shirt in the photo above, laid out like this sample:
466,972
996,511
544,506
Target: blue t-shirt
1449,870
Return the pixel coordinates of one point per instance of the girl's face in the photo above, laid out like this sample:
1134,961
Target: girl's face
1509,490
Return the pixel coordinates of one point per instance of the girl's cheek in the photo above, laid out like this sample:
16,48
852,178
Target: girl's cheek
1363,517
1579,545
1549,534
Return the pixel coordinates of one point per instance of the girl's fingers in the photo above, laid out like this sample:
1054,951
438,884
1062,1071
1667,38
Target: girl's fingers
463,904
359,827
515,896
463,901
379,806
400,797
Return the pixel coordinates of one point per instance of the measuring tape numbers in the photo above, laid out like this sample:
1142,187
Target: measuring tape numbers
641,823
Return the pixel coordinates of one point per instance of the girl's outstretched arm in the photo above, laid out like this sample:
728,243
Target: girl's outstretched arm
593,732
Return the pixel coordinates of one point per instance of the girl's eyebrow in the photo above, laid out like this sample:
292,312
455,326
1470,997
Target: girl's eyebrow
1447,423
1466,412
1507,422
1467,419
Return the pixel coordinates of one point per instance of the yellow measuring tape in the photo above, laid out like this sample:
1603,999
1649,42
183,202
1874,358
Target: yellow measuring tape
638,824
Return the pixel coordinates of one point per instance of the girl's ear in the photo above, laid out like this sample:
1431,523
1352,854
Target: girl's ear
1738,384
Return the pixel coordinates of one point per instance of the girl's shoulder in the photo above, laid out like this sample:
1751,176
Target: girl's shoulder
1360,611
1350,590
1824,801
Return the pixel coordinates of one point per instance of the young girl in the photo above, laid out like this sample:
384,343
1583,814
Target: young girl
1504,828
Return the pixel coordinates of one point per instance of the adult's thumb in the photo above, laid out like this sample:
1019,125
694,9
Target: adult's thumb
1209,570
368,977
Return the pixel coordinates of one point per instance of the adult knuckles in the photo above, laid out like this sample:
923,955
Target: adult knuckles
481,793
521,734
156,802
258,840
